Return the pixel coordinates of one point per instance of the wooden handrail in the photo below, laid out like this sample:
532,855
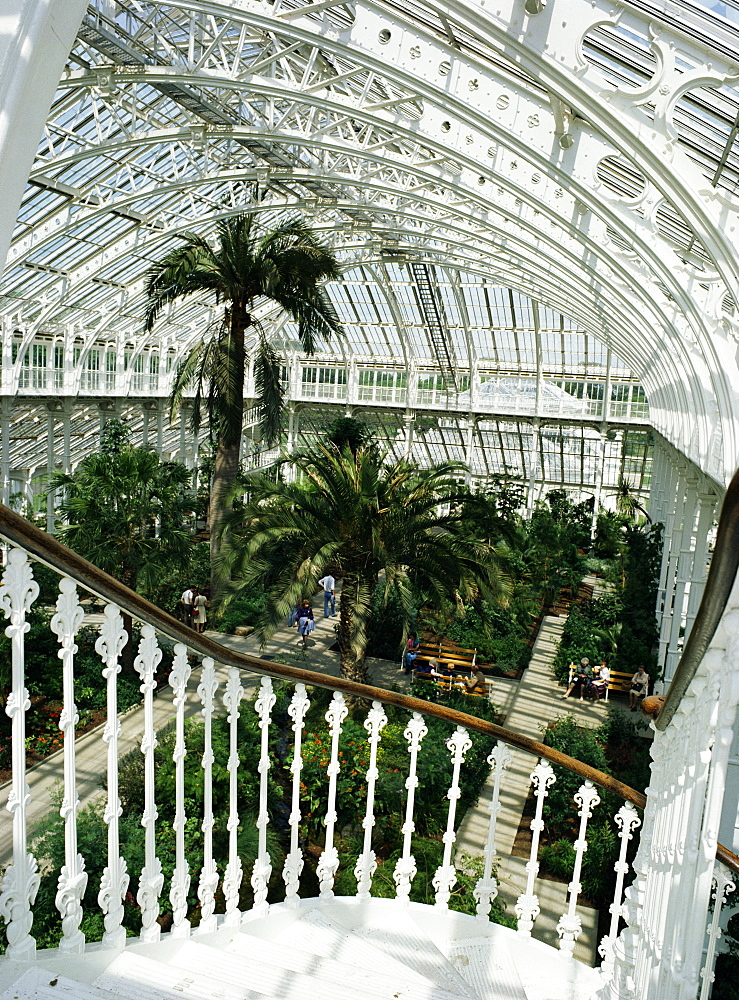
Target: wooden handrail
54,554
721,576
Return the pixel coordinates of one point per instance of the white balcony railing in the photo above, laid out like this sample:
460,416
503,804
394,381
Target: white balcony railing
220,876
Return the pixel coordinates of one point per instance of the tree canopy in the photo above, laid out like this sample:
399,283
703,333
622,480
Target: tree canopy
373,520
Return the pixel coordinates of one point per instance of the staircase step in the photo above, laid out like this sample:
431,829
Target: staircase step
328,976
40,984
392,930
317,933
135,977
488,966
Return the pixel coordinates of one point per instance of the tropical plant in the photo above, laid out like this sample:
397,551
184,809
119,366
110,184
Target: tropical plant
285,264
372,519
124,511
627,501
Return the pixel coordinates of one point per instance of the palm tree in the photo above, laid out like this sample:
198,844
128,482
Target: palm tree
371,519
627,502
285,264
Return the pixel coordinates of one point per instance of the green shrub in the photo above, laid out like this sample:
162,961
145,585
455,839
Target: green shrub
245,608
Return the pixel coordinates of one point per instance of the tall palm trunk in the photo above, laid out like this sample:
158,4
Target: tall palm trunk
354,612
226,466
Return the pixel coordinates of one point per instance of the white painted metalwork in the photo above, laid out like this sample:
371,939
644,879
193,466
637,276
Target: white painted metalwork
367,863
446,875
263,865
570,924
299,704
723,885
21,881
627,820
114,883
180,885
233,875
328,863
73,877
486,888
151,881
405,869
208,882
527,905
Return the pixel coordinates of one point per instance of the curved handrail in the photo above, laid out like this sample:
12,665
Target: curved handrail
721,576
53,553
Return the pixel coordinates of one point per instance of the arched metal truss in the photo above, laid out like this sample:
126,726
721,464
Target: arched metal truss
578,161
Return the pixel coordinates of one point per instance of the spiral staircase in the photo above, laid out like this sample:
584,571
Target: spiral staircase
664,926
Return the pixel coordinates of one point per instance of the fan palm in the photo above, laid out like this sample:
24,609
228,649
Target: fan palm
285,264
371,519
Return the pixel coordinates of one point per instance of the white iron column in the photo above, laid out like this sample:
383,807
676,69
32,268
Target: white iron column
659,955
50,461
672,541
21,881
706,513
152,879
180,885
114,883
683,572
73,877
367,863
263,866
233,875
293,866
67,437
5,409
405,869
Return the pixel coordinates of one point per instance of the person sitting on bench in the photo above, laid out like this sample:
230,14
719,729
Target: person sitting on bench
599,684
476,682
581,678
638,688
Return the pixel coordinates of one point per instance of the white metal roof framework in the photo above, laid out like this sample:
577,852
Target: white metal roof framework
538,200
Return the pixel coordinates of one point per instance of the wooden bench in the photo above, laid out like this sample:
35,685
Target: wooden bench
619,682
451,683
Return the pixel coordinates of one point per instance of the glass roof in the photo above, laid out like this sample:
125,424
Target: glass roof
572,216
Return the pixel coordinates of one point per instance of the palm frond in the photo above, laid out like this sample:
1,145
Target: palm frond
270,393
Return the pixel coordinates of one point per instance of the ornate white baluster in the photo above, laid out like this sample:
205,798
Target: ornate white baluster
73,877
527,904
487,887
405,869
114,883
21,880
570,924
723,885
366,864
293,866
233,874
627,820
152,879
328,863
208,883
446,874
263,865
180,885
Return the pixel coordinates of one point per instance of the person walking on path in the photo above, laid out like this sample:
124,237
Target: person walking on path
199,614
186,600
306,624
329,595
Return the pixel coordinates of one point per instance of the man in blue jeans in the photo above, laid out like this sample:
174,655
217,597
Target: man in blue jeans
329,597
